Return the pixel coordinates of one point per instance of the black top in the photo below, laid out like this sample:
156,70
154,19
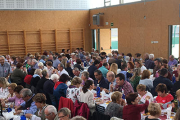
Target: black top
150,119
40,84
176,87
103,83
149,64
164,80
118,62
48,87
91,70
34,81
79,67
69,70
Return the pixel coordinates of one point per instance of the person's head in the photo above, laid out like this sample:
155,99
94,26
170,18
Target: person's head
171,57
64,78
146,74
141,89
88,85
138,63
78,118
110,76
49,64
138,55
161,89
78,61
164,72
17,90
103,54
50,57
124,67
76,71
34,61
114,68
157,62
130,65
40,100
60,67
177,116
50,112
116,97
2,59
154,109
98,74
41,65
54,78
136,72
38,72
76,81
3,82
64,114
63,50
96,63
29,61
85,75
151,56
45,73
26,94
11,88
19,65
164,66
132,99
178,95
146,56
106,65
120,78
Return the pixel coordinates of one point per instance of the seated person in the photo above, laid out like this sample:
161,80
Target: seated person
28,106
17,98
40,101
124,70
135,78
73,91
11,91
132,110
103,82
4,87
164,98
114,108
51,113
178,98
141,89
121,85
64,114
155,111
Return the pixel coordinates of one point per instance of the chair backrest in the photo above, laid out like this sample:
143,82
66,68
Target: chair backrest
100,116
100,109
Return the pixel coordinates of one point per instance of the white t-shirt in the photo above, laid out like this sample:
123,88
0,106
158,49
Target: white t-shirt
147,94
63,72
143,68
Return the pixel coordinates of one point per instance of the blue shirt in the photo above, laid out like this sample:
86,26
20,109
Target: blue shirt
103,83
56,62
41,60
104,71
35,66
32,109
5,69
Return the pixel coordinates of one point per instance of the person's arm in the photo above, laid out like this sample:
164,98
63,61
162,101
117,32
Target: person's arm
12,99
142,107
32,109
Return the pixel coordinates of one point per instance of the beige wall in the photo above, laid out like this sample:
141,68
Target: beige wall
136,33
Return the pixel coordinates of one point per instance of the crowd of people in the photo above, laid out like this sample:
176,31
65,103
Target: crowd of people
38,84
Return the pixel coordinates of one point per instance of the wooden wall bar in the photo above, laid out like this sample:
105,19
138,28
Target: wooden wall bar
19,43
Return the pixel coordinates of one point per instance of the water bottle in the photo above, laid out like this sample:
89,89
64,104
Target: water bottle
123,95
98,90
23,117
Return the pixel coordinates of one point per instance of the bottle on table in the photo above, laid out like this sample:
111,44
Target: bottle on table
123,95
98,90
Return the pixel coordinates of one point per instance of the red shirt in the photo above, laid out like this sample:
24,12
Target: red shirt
133,112
165,99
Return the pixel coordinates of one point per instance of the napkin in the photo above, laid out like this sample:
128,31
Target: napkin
103,94
8,115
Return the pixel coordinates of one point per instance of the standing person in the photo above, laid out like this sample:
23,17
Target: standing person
5,68
92,68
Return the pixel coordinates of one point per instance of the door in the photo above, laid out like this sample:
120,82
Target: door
105,40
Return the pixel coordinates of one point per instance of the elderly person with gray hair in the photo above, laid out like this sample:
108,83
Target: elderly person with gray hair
5,68
35,79
40,84
34,64
85,77
41,66
172,61
76,72
28,106
61,70
64,114
149,64
51,113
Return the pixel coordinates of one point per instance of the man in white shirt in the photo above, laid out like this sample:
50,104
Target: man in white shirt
61,70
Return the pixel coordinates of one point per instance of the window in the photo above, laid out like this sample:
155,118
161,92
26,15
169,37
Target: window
115,2
129,1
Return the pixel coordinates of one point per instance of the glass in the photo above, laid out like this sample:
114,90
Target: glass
59,117
47,114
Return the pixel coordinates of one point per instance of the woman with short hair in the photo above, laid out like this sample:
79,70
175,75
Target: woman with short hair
85,77
73,91
145,79
132,110
155,111
40,102
115,108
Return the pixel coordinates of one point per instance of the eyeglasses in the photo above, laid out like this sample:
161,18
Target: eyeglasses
47,114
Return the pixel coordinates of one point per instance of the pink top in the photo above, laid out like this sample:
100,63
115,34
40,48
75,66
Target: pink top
17,101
